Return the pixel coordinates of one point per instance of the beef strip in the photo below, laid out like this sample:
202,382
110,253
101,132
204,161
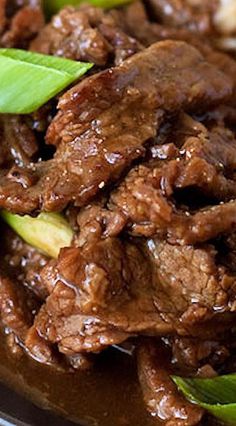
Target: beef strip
40,350
190,355
89,155
15,314
95,221
21,292
107,291
20,21
23,263
192,288
205,161
161,396
227,250
22,288
17,309
18,143
194,16
137,24
86,33
98,299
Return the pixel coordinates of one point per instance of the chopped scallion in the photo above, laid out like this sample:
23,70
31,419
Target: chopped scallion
49,232
216,395
54,6
28,80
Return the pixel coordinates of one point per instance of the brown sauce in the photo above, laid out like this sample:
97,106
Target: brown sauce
109,395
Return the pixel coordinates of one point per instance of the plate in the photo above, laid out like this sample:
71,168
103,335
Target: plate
18,411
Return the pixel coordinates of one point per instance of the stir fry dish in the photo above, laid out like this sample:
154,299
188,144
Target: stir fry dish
118,206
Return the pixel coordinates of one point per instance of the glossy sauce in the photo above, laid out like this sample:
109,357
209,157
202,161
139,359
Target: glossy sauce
109,395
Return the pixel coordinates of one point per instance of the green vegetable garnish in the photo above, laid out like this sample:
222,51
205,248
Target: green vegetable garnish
53,6
28,80
216,395
49,232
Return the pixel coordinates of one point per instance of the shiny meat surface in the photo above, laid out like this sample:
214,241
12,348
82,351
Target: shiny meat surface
89,154
205,162
87,34
98,300
18,142
139,156
160,394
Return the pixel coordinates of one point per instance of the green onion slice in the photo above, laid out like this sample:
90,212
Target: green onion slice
28,80
216,395
54,6
49,232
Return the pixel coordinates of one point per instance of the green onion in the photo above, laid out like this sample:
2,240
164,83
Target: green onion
49,232
54,6
216,395
28,80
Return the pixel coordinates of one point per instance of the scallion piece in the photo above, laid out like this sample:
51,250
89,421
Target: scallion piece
54,6
49,232
216,395
28,80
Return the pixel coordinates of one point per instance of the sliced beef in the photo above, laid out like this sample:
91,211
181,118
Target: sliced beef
192,288
227,249
195,16
23,263
150,194
14,312
138,25
40,350
107,291
18,143
86,33
89,154
21,292
100,298
193,354
24,284
20,21
161,396
95,222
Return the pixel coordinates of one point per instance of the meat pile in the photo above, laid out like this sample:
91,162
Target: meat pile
141,157
20,22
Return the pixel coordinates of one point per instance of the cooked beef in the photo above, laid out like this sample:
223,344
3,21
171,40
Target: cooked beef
101,297
95,222
205,162
227,250
141,159
223,61
16,308
108,290
92,114
192,354
40,350
149,212
18,143
195,16
20,21
86,33
191,288
161,396
138,25
23,263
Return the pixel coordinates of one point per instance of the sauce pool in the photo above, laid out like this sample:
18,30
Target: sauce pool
108,395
